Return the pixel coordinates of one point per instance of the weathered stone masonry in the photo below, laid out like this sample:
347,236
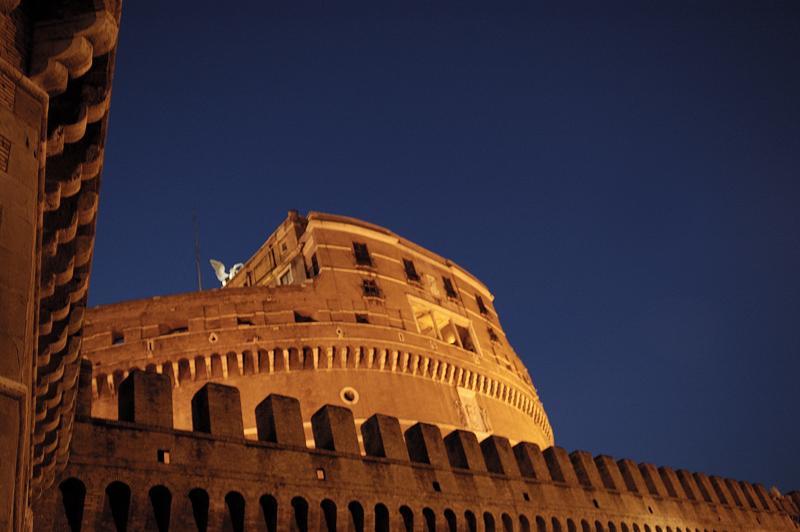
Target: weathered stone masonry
297,318
331,310
141,474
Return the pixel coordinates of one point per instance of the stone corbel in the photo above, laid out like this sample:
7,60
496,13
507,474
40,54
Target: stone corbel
63,49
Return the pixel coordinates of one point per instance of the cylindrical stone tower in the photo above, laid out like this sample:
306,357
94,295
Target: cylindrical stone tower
330,310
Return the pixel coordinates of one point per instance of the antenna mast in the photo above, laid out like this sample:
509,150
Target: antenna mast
197,251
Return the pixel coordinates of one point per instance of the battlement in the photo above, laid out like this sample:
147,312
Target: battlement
456,479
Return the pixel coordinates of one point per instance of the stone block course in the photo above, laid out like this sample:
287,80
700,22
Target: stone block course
258,482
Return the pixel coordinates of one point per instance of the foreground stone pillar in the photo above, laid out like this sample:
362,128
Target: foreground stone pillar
23,128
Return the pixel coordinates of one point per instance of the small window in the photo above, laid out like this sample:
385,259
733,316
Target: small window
286,278
411,271
299,318
481,306
362,254
163,456
361,318
492,335
371,288
314,265
448,287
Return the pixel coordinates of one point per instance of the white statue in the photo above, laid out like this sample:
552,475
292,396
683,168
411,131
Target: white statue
219,269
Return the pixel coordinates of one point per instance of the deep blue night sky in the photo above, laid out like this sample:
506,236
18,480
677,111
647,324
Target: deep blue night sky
625,178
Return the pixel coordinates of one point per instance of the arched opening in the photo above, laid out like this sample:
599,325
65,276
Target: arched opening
488,522
450,519
184,372
571,526
216,367
308,358
472,521
263,361
585,526
235,503
118,378
353,358
556,525
381,518
408,518
232,361
166,369
541,525
279,361
429,520
73,495
508,524
356,516
299,514
623,527
117,504
611,527
200,368
328,517
599,527
269,506
295,359
102,385
524,524
249,366
161,501
199,500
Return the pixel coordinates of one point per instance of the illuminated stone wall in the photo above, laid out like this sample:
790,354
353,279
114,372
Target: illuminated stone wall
399,344
141,474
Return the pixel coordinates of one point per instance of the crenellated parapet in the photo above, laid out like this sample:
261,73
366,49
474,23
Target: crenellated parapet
142,470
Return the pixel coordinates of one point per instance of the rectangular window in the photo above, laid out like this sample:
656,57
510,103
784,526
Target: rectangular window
286,278
481,306
362,254
371,288
411,271
448,287
314,265
299,318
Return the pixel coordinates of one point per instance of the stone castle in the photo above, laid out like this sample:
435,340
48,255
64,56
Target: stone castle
343,379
